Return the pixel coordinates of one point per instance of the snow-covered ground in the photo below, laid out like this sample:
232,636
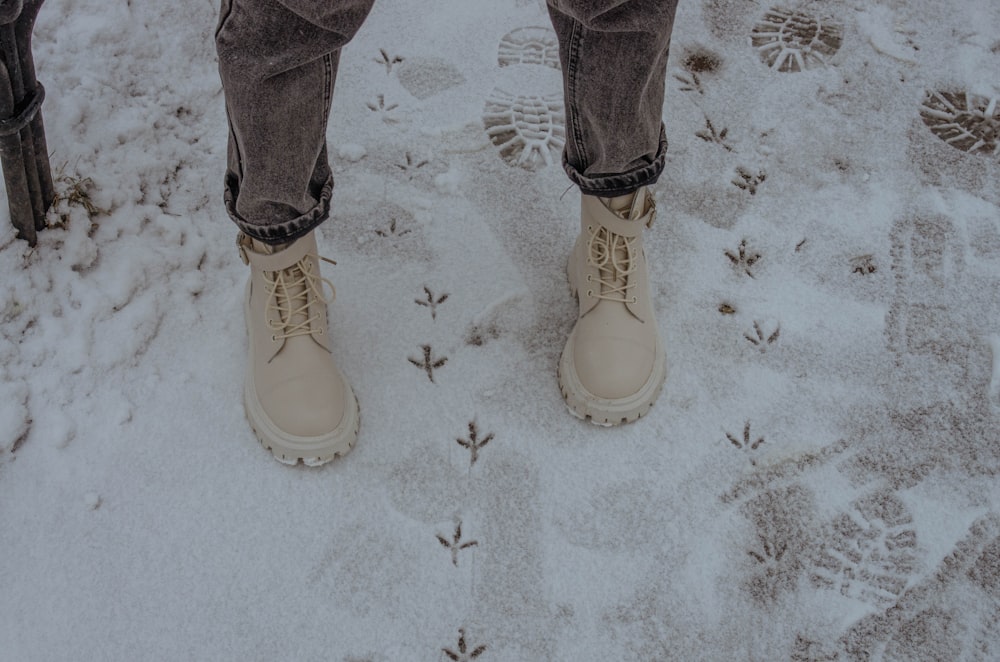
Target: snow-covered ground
817,482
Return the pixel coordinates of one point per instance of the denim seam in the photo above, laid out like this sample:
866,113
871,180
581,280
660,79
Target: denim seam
327,86
571,75
236,145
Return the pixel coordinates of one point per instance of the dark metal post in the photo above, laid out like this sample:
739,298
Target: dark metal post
14,175
23,149
23,29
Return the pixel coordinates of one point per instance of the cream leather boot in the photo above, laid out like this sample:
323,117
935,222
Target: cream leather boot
613,366
297,401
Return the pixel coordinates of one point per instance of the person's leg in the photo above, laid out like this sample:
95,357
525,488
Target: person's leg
614,62
614,58
278,62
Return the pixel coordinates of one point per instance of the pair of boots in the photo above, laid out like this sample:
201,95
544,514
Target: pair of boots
302,408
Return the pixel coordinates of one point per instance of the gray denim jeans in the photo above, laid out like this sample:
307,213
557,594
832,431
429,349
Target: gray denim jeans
278,63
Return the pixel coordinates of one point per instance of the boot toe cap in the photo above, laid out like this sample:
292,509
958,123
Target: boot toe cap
611,367
310,405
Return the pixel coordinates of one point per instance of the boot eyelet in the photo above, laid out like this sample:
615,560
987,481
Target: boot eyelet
590,278
274,338
590,293
635,300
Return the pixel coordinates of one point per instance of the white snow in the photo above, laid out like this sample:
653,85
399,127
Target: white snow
893,40
994,392
352,152
140,519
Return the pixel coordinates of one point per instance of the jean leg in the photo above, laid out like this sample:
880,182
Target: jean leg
614,62
278,63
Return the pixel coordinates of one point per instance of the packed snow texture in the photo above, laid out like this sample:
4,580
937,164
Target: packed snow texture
818,480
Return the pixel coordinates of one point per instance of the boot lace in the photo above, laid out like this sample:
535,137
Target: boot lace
615,258
289,292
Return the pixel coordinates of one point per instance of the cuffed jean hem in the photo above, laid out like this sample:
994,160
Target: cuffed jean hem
611,184
285,231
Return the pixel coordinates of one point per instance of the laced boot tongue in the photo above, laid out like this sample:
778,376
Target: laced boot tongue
614,257
291,294
290,287
613,252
